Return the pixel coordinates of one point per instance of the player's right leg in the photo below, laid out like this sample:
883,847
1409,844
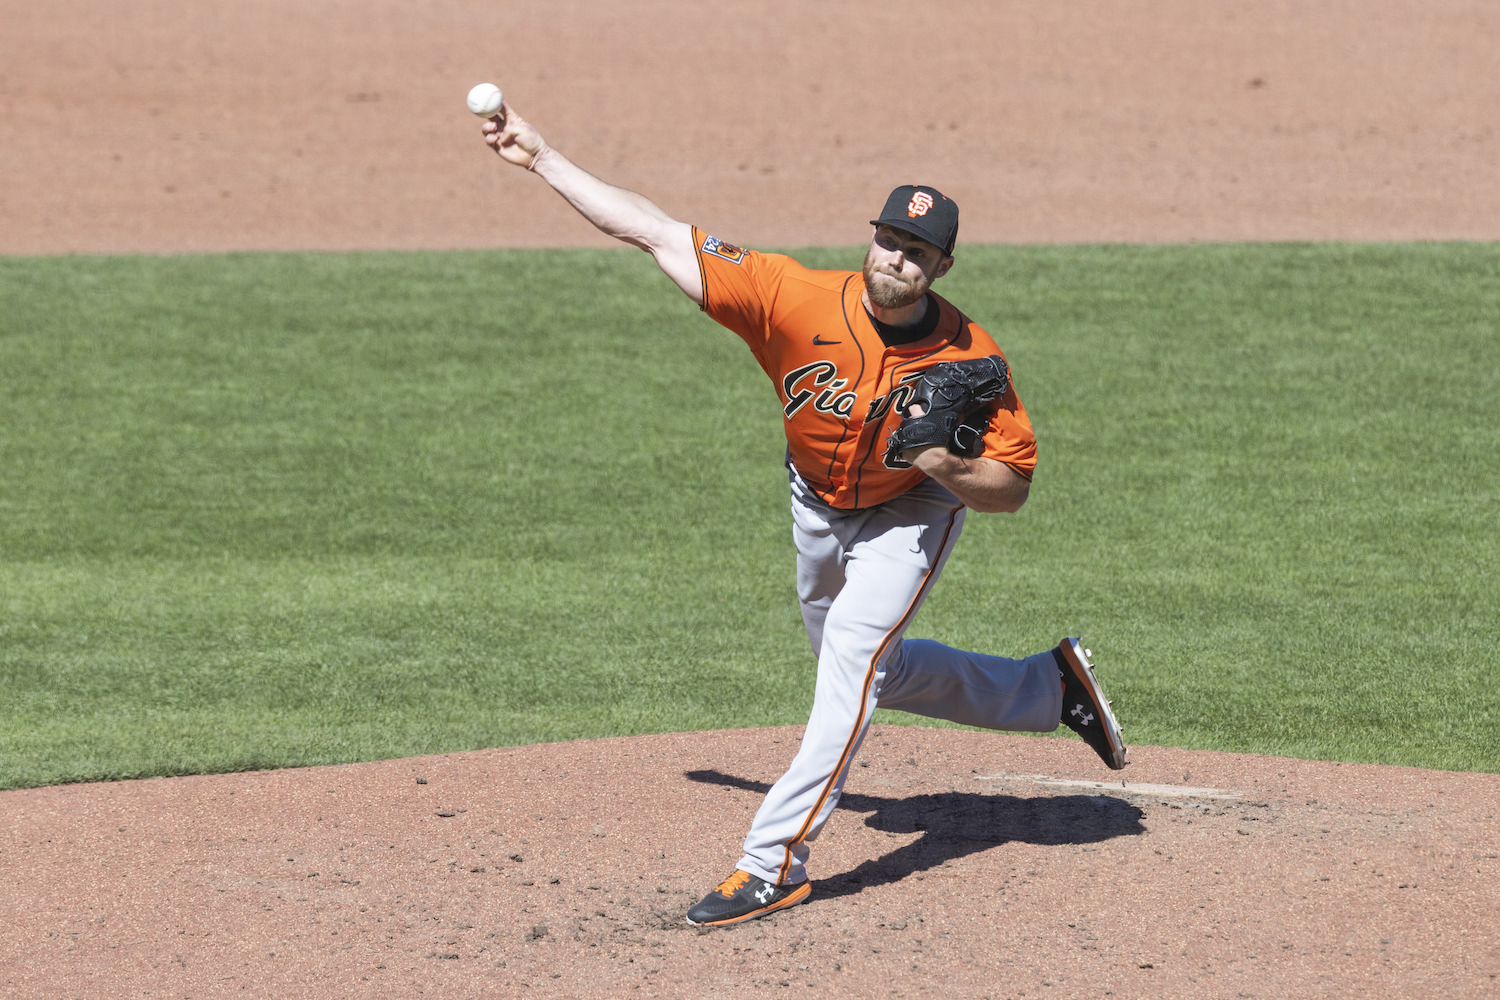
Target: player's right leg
936,681
1034,694
1085,709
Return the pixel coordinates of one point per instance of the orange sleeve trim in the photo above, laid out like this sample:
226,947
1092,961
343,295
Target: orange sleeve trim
702,271
1023,473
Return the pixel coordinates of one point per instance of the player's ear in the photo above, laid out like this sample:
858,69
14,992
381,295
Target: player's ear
943,268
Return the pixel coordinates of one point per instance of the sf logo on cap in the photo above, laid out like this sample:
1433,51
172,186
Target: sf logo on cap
920,203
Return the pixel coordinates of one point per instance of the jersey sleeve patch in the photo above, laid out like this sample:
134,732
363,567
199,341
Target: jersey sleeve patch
728,251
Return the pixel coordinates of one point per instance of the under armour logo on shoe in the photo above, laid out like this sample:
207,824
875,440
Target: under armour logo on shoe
765,892
1084,718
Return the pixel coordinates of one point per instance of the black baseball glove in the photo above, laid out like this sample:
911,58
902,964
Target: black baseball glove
951,394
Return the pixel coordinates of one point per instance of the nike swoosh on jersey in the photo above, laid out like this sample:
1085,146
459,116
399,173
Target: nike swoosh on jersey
818,341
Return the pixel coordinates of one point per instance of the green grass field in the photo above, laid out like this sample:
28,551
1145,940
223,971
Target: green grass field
271,510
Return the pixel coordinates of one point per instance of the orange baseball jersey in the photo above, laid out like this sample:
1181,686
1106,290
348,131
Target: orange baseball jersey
841,387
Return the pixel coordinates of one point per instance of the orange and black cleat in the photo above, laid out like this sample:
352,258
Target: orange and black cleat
742,896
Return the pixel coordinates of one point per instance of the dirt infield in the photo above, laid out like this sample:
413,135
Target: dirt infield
960,864
209,125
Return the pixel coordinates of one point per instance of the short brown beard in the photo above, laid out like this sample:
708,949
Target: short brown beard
890,292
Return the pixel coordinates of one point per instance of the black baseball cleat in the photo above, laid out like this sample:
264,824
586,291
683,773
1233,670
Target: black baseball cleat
742,896
1085,710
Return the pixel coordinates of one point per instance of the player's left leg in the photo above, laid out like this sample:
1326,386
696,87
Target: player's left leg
862,575
888,559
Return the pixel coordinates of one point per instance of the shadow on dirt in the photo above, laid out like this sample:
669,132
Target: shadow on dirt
957,824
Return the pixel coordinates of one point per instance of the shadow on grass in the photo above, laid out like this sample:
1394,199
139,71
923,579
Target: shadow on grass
957,824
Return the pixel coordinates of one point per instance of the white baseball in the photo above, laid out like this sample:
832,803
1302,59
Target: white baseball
484,100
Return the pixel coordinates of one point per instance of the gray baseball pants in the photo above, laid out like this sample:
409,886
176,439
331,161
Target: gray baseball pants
861,576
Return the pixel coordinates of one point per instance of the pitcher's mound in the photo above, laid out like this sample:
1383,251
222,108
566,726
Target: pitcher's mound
959,863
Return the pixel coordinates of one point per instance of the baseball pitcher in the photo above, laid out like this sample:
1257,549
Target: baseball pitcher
901,416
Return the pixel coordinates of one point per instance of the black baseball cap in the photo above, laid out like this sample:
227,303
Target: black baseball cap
924,212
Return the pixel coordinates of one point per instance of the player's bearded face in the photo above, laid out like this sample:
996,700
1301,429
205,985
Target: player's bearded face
893,290
895,279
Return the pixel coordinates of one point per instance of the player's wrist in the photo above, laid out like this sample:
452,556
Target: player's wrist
543,153
933,458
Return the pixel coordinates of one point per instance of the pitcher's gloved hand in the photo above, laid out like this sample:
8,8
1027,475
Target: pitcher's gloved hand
948,393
